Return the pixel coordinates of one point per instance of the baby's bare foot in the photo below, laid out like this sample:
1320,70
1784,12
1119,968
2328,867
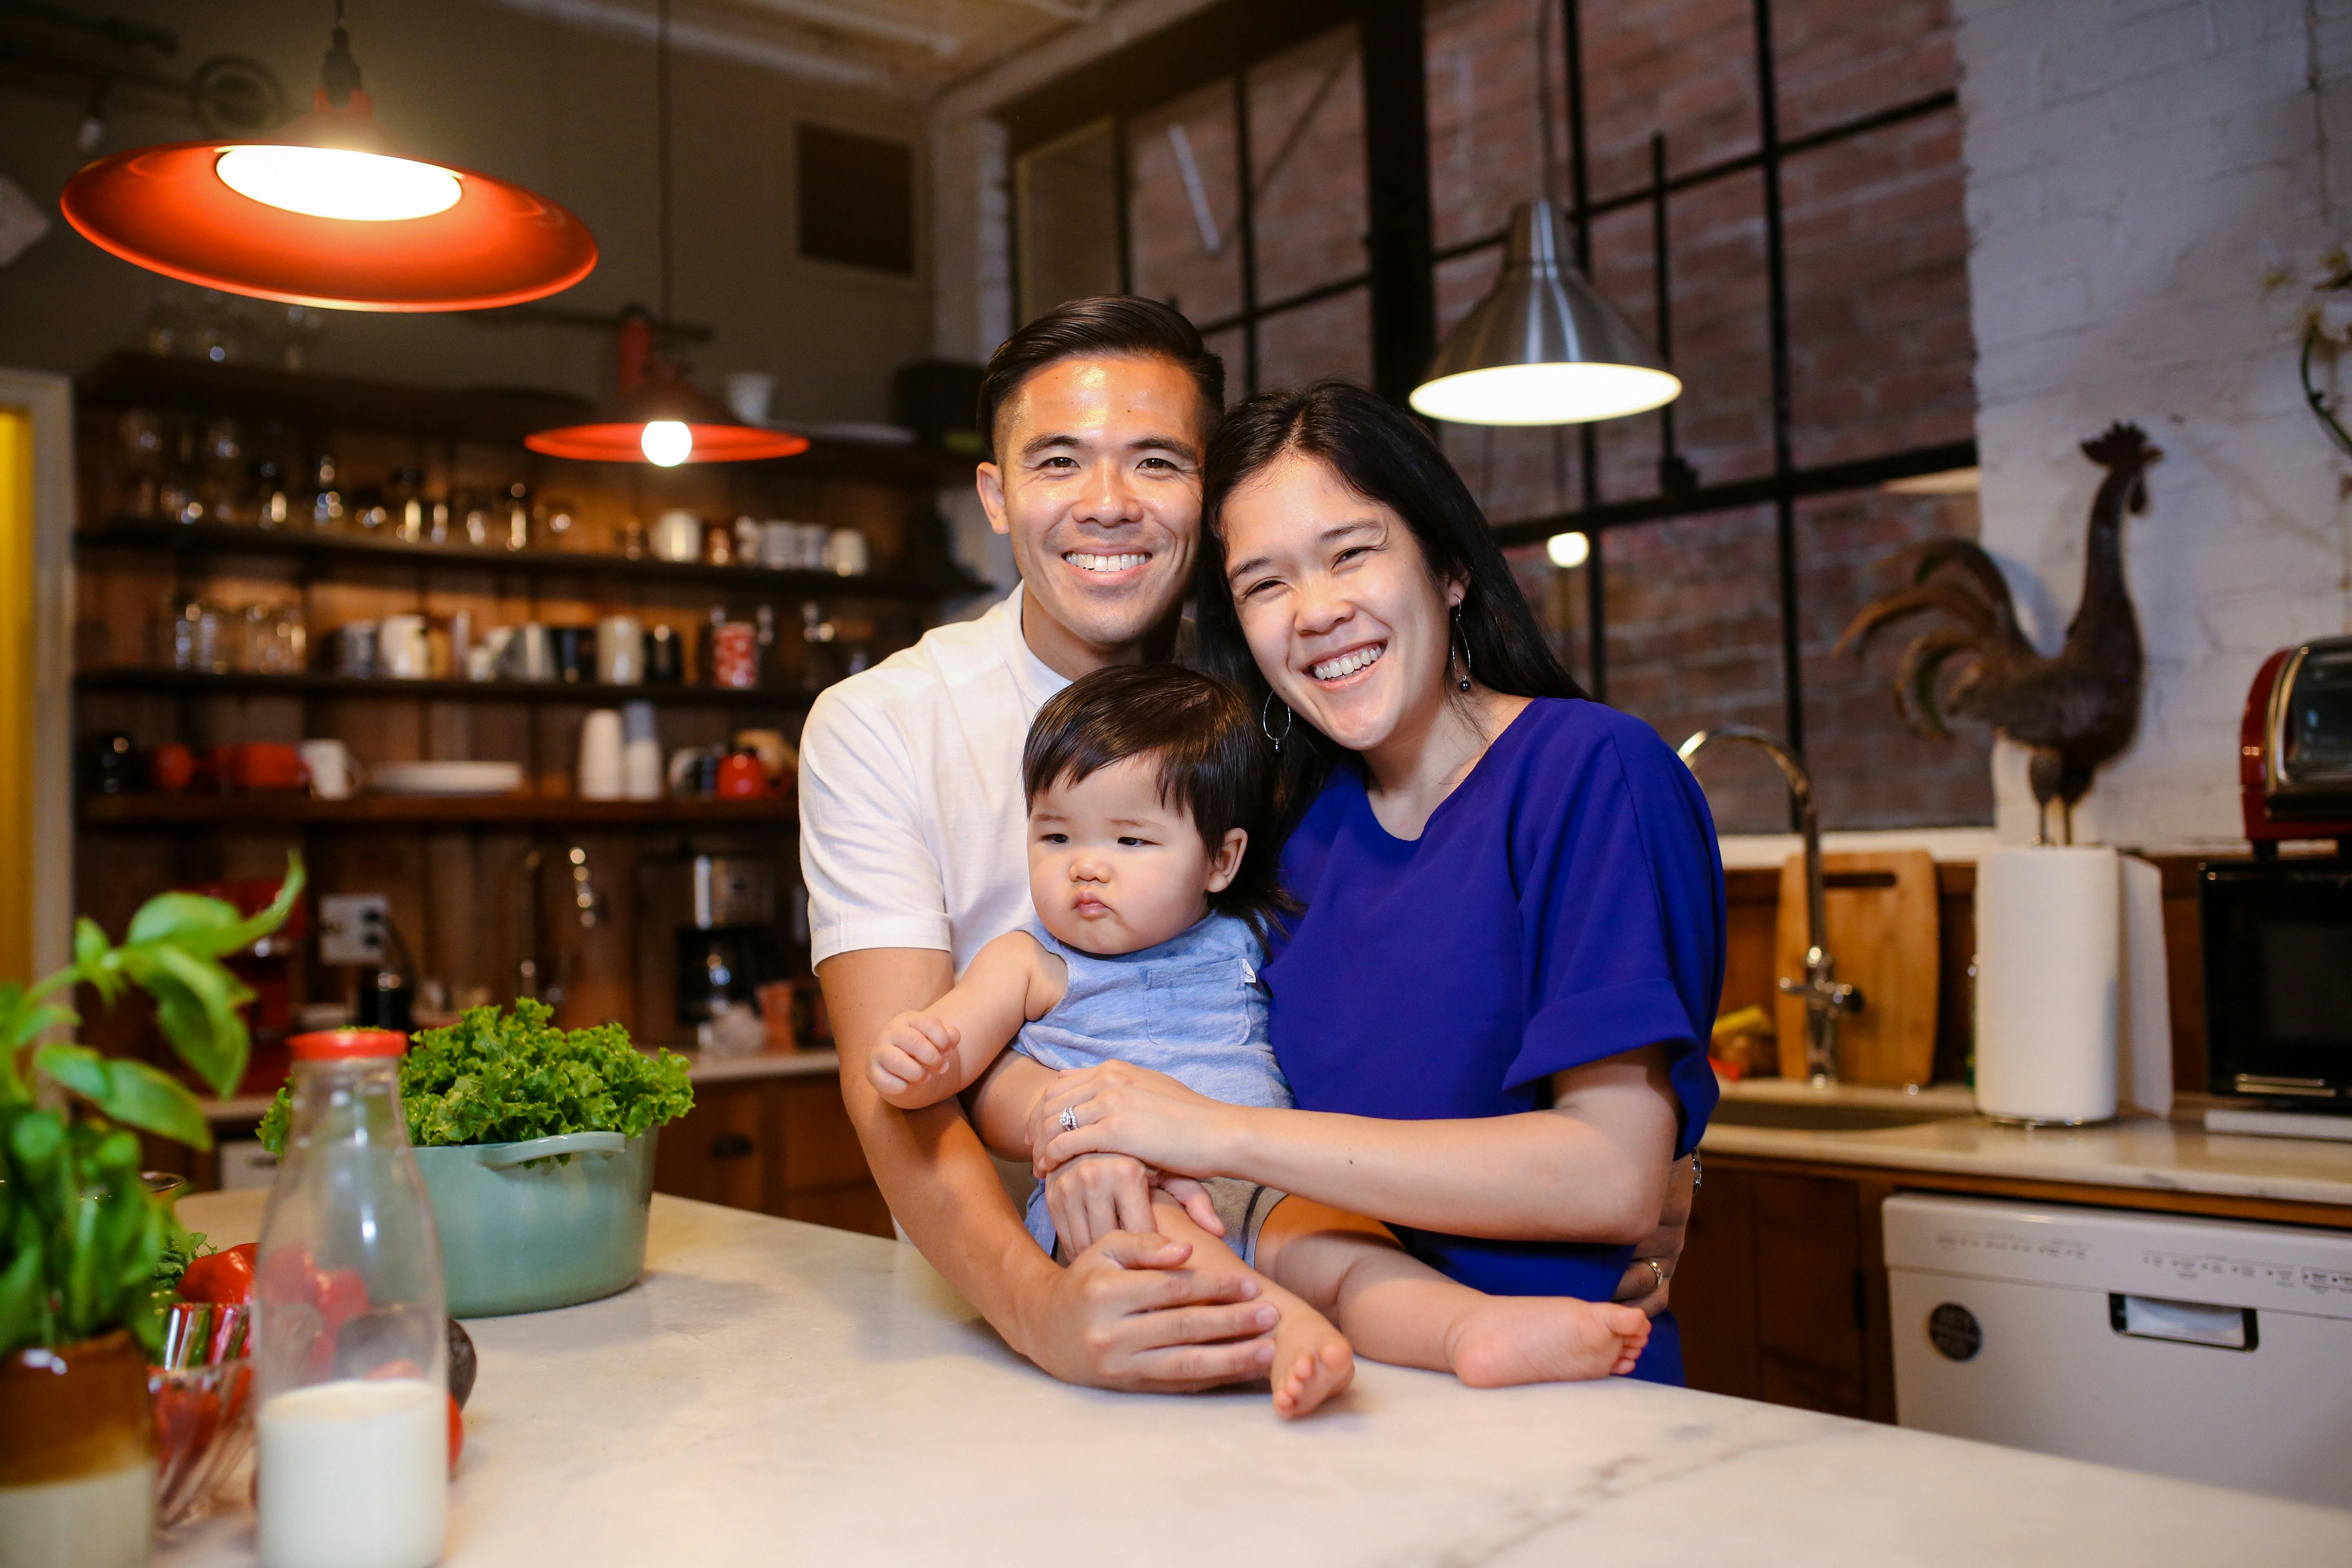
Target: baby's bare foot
1312,1362
1508,1339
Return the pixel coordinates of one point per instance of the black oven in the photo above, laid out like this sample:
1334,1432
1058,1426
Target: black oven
2278,981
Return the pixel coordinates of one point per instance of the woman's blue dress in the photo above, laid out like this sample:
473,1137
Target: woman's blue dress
1563,905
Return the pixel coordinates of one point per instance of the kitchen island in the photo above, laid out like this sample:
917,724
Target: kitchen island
774,1391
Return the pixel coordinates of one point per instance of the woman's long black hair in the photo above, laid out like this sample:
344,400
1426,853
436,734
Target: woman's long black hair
1384,455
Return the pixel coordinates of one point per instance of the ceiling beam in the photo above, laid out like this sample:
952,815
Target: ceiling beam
702,33
850,18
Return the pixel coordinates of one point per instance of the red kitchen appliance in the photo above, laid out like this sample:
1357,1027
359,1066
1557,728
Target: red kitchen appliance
2295,747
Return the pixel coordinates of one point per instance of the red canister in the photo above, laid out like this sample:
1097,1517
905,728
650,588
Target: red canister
735,654
741,776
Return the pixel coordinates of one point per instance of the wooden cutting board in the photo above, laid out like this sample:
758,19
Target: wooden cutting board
1883,935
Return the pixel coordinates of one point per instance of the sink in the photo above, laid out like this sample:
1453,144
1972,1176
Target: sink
1826,1116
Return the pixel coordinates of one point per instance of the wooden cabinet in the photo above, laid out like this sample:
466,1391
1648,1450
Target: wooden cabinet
781,1146
1771,1293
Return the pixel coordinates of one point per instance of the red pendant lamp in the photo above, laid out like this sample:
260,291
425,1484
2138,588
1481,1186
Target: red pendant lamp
656,415
327,211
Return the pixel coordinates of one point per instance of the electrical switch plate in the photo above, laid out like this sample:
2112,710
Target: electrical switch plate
352,926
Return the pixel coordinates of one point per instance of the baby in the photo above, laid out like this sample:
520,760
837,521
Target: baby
1142,783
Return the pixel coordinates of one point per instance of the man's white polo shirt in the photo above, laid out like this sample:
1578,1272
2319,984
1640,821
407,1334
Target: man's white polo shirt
913,828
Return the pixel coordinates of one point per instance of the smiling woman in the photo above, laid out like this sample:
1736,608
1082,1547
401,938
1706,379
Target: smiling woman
1493,1009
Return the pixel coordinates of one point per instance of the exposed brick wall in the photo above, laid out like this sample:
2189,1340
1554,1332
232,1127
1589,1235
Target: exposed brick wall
1881,358
2132,166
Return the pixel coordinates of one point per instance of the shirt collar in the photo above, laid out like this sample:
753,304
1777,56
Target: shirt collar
1037,679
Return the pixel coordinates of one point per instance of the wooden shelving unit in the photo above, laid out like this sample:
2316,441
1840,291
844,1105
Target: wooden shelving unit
298,812
467,876
200,683
496,415
346,549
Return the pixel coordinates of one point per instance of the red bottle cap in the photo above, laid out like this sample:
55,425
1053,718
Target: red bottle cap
339,1045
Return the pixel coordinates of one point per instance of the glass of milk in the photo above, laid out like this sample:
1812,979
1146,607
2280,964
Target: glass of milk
350,1340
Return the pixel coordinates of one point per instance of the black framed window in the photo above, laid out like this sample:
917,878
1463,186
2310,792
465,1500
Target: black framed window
1769,189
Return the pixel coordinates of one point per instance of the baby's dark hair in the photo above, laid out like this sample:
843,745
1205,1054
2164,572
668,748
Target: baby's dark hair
1214,760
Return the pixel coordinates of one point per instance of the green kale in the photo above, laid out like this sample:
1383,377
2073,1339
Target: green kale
493,1078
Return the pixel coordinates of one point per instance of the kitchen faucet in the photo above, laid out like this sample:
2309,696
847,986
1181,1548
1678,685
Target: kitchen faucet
1826,998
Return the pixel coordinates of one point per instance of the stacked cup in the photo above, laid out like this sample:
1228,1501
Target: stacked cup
600,772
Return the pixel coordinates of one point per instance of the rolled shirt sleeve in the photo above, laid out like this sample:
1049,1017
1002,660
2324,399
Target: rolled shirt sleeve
873,877
1623,920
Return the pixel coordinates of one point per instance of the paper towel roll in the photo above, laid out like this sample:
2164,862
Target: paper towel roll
2049,952
2144,1014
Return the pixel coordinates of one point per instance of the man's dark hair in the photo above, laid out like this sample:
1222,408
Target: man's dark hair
1105,325
1384,455
1214,760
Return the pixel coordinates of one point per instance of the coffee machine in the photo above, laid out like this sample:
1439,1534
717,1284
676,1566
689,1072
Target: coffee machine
720,910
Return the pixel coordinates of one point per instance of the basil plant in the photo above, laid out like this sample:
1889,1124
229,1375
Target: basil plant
81,1238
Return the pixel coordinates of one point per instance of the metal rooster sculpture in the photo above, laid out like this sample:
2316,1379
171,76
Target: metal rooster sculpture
2074,709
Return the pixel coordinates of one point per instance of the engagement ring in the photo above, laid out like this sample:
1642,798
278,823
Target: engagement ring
1069,1119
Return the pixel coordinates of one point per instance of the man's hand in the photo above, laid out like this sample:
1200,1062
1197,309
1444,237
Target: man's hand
1126,1315
1643,1286
914,1060
1096,1194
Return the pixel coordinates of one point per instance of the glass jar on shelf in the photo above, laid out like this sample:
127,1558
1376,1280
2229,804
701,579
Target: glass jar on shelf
324,493
265,480
819,666
190,635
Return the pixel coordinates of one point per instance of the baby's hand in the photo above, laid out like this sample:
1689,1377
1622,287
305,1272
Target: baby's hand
914,1063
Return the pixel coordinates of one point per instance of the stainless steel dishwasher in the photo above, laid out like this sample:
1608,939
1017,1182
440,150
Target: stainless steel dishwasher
2213,1350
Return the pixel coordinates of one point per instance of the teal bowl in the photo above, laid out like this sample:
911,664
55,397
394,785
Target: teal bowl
523,1230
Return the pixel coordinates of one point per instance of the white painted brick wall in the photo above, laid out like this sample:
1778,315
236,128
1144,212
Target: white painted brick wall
2133,164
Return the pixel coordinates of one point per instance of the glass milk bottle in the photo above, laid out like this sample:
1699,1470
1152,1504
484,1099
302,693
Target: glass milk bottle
353,1450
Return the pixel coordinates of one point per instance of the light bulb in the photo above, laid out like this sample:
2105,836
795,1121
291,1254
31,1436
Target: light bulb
1556,393
1568,550
666,443
328,182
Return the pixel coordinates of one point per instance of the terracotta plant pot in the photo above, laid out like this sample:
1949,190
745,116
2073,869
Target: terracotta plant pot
77,1456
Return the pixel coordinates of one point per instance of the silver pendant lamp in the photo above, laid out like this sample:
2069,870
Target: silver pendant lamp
1543,347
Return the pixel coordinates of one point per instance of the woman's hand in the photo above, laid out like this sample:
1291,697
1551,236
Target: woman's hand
1094,1194
1647,1287
1121,1109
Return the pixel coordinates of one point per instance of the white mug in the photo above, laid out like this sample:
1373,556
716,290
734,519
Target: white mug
528,655
812,537
601,775
335,774
677,536
780,545
846,553
641,754
620,650
403,652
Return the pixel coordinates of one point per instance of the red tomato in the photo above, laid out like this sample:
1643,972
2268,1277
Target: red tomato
224,1278
186,1419
457,1433
288,1276
341,1295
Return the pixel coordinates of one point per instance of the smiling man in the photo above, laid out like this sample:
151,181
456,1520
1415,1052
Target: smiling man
913,838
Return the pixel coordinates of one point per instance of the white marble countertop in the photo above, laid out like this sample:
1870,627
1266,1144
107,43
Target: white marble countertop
777,1393
2136,1152
701,1069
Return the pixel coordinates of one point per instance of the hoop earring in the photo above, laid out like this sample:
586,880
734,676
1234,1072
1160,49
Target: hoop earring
1465,636
1265,713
